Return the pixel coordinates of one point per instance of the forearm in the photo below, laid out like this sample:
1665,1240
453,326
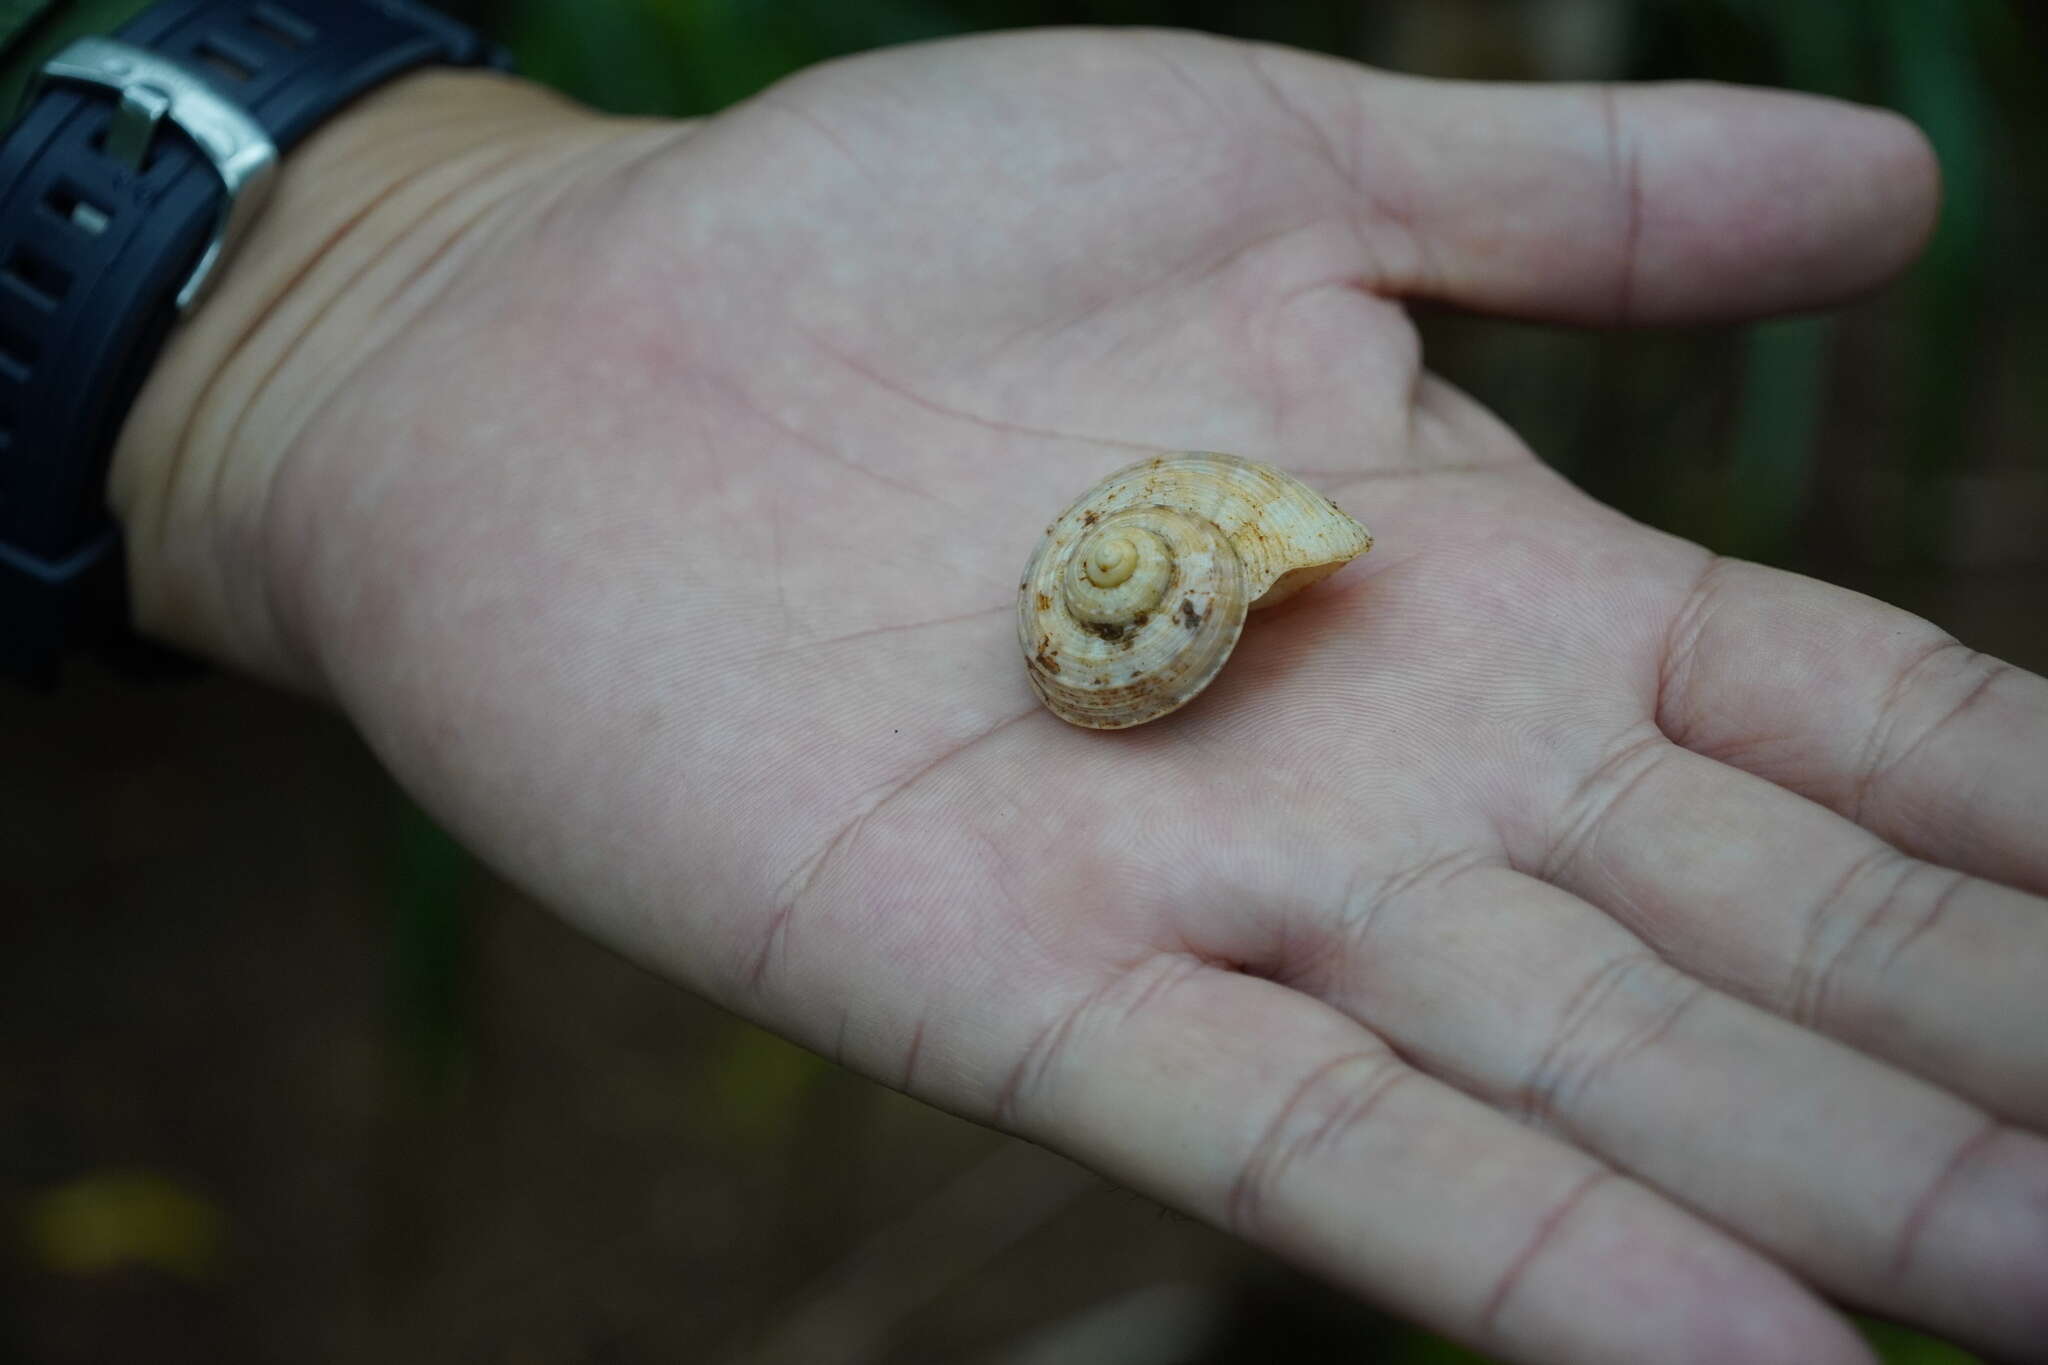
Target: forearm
371,215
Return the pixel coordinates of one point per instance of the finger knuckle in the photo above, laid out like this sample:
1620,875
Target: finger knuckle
1943,683
1322,1114
1882,902
1027,1090
1625,1007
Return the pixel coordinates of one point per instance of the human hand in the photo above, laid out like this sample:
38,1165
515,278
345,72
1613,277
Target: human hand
1584,945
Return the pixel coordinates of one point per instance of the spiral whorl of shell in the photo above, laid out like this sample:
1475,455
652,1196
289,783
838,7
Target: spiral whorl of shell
1135,597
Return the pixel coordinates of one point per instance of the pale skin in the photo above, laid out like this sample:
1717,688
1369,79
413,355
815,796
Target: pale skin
1588,947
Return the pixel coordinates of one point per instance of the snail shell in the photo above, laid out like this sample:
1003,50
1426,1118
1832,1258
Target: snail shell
1135,597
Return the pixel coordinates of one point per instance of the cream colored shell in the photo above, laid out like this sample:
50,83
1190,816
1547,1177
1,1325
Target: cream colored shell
1135,597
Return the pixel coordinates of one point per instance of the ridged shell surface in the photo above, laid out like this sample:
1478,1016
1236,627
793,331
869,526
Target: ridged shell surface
1137,593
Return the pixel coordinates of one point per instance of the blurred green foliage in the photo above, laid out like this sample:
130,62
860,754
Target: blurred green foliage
428,956
759,1084
112,1219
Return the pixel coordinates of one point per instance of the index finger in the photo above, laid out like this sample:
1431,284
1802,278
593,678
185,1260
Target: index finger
1935,748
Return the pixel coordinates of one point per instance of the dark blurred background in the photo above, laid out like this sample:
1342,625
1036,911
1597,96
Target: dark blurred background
285,1076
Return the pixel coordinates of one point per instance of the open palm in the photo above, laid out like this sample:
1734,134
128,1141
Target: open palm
1529,929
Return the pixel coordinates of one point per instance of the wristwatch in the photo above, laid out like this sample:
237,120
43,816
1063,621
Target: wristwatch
138,160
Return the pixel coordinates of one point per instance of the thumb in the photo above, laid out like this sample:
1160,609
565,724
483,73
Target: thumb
1613,204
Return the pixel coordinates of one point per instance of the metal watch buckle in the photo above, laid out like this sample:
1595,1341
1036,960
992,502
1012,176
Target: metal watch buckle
154,87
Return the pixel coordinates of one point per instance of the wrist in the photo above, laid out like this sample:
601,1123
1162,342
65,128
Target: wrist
368,215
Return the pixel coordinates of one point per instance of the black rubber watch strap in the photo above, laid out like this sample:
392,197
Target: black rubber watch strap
93,253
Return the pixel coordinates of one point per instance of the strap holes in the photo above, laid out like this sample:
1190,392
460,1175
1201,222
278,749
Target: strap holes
98,142
234,65
35,277
69,203
281,26
18,355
